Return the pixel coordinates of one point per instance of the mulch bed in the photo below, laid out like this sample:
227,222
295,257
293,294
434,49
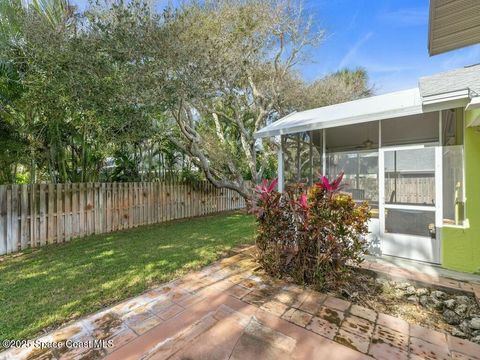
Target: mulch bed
456,313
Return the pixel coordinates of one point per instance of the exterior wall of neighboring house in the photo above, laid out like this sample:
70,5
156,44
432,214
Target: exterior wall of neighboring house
461,246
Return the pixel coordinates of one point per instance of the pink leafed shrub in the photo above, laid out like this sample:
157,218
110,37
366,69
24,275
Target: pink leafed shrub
310,234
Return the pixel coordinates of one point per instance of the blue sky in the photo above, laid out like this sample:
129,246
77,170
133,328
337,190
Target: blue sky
386,37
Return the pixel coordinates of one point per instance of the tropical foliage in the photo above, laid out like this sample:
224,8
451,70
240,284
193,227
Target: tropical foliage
312,234
122,92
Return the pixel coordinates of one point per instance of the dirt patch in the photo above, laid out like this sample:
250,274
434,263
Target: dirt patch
454,312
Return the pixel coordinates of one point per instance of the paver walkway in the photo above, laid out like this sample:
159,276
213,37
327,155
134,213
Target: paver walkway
422,267
426,277
230,310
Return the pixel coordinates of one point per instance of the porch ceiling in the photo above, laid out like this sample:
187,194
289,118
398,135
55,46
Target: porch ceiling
387,106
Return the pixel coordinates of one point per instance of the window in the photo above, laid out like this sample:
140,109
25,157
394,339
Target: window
412,129
360,170
410,176
302,157
453,185
410,222
453,170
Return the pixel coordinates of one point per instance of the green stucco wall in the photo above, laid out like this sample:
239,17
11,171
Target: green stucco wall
461,247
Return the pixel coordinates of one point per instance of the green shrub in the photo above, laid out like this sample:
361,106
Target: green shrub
311,234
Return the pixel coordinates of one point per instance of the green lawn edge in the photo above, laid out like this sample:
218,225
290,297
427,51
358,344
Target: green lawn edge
43,288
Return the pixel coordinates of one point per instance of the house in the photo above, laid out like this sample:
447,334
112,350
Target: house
414,155
453,24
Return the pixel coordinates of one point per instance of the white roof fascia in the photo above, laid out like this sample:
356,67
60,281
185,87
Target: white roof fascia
447,100
387,106
447,96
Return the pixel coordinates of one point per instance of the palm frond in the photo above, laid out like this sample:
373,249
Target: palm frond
55,11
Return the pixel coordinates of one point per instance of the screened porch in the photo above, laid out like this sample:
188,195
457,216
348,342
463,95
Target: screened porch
409,169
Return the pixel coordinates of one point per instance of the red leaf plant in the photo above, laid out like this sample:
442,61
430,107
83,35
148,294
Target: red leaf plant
266,188
264,192
310,234
330,186
303,202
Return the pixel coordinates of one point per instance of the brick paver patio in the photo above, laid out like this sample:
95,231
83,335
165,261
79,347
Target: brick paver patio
231,311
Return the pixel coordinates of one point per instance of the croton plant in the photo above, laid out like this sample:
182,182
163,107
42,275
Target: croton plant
311,234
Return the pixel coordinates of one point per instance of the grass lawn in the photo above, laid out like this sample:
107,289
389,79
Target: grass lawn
46,287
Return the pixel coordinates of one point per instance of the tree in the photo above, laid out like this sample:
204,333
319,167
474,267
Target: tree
341,86
234,67
121,92
79,74
231,63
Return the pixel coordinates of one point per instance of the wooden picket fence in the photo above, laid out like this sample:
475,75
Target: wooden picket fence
414,190
40,214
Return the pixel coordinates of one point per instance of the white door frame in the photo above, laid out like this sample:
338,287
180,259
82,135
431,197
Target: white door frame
404,238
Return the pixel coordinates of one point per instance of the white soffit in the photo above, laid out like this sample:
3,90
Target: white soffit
387,106
453,24
474,104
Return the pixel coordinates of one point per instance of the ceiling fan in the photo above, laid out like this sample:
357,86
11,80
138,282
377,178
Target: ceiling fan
367,144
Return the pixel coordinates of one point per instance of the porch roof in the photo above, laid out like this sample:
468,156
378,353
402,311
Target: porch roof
447,90
387,106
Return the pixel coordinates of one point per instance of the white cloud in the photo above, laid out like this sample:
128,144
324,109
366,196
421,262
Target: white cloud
353,50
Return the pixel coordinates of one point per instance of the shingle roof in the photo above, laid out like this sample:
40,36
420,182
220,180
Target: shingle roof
458,79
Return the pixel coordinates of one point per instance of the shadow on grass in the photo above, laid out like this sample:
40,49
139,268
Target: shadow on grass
43,288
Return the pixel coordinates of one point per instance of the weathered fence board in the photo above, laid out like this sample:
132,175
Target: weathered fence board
14,218
3,216
38,214
50,209
43,215
81,209
9,221
24,227
75,210
33,218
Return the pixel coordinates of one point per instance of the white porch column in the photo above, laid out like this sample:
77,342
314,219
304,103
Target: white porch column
324,155
280,165
439,175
